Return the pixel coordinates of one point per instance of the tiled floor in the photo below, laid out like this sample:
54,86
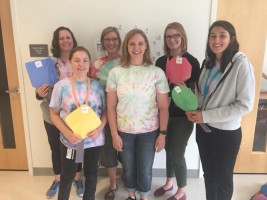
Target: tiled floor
22,186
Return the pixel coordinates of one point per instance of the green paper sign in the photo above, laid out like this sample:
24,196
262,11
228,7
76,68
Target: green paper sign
184,98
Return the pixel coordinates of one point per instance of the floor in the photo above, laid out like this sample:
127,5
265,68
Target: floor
18,185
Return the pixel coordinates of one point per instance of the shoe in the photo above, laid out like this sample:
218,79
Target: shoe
258,196
130,198
79,187
160,191
174,198
110,194
53,190
264,189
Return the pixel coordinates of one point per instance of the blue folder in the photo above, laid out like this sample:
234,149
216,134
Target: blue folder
42,72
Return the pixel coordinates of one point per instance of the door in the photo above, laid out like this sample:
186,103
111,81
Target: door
12,139
249,18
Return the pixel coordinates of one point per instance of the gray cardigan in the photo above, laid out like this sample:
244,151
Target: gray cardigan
233,98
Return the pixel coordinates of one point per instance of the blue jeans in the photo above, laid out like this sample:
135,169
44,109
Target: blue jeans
137,157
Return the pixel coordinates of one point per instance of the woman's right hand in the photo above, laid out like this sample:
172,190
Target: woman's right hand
117,142
74,139
43,90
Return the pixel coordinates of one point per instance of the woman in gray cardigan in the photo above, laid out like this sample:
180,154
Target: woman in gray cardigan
225,93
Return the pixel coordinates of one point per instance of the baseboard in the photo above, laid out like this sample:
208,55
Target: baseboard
191,173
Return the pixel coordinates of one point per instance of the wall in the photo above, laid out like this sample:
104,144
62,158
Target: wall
34,22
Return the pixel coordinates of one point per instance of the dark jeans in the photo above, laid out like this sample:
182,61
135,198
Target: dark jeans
53,135
179,131
137,157
218,151
68,170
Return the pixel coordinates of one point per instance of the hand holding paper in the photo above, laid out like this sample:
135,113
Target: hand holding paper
42,72
83,121
184,98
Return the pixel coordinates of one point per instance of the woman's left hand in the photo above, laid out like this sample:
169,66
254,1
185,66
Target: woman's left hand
160,143
195,116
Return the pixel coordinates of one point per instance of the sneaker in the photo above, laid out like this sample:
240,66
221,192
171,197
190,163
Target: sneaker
79,187
53,190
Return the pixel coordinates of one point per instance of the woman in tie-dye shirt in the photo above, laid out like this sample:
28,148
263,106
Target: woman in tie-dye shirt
137,102
62,43
110,43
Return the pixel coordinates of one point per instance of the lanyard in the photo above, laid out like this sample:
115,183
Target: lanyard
74,93
209,81
80,146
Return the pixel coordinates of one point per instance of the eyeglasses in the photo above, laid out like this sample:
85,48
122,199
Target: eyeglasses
108,40
174,36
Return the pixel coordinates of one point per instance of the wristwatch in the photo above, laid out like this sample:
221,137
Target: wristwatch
163,132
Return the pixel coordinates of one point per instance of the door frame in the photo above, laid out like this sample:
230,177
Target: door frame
18,63
249,121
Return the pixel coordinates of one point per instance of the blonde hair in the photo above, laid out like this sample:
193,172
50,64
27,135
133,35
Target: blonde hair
109,30
125,58
178,27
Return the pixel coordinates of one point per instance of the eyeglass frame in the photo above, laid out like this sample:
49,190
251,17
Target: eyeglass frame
108,40
175,36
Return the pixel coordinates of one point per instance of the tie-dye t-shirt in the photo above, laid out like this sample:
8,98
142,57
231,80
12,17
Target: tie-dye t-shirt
63,99
64,68
95,68
137,88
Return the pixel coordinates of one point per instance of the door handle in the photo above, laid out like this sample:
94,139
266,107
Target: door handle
15,90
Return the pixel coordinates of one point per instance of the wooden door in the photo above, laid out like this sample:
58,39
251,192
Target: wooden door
12,140
249,18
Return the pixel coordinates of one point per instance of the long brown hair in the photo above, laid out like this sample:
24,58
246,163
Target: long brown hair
229,52
55,49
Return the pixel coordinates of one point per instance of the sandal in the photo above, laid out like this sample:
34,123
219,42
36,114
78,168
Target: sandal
110,194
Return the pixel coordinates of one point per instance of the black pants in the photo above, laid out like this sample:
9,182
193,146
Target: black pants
68,170
53,135
218,151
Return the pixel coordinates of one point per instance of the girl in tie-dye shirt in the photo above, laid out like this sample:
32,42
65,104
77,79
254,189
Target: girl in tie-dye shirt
63,103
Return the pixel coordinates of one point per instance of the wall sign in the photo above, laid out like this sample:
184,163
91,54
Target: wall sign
38,50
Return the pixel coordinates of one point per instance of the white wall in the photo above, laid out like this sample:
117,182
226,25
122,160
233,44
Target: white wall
35,20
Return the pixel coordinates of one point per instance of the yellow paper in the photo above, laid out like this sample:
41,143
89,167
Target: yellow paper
83,120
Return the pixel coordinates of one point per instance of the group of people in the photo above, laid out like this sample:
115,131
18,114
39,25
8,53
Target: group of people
138,116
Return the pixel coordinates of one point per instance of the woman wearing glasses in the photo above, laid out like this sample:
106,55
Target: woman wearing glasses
179,127
110,42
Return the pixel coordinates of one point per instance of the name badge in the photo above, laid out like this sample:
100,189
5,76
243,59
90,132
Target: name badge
179,60
205,128
69,154
85,110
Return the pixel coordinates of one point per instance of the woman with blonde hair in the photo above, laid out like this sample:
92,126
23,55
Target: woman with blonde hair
137,102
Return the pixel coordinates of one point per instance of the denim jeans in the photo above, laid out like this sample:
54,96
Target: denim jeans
137,157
